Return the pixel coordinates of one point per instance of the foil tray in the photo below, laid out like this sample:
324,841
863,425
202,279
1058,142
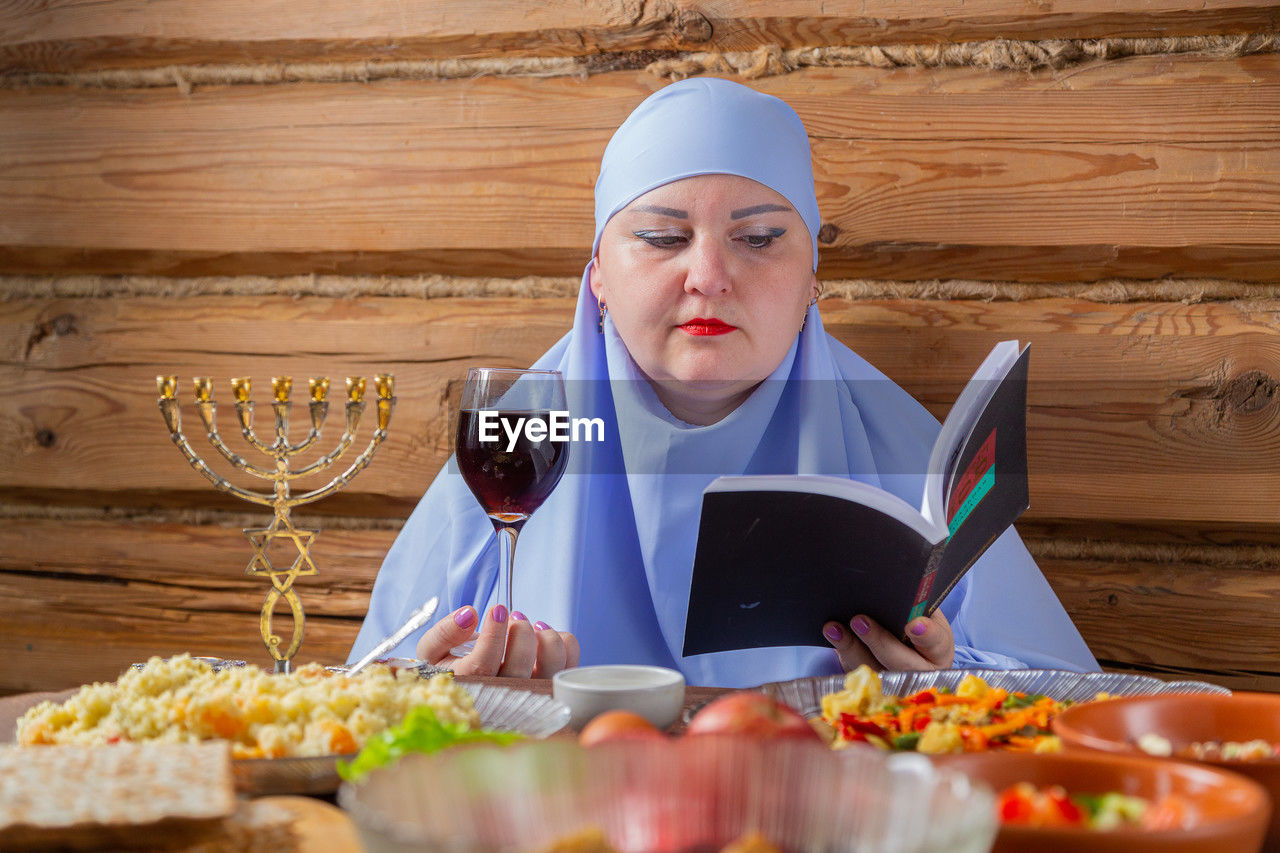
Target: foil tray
805,694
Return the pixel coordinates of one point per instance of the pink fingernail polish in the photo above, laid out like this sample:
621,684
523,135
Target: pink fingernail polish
833,633
541,626
518,616
860,626
918,628
499,613
465,618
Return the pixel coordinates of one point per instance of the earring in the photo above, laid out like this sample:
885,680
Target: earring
813,300
604,309
805,316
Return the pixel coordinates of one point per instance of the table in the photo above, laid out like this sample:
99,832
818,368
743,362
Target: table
13,707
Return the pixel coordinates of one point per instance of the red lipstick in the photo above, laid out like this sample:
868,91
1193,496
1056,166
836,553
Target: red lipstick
701,326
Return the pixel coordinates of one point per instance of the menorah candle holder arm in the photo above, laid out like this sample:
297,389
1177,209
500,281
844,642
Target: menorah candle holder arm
242,390
208,411
318,407
173,419
353,409
355,405
353,412
342,479
319,411
244,411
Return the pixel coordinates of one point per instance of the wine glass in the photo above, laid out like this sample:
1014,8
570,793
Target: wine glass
512,447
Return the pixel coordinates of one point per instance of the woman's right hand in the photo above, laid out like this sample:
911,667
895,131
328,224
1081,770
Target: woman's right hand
507,644
933,646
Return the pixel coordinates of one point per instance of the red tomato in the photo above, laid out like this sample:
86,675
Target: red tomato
1014,806
1066,811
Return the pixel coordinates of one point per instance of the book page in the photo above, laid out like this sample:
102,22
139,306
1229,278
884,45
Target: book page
989,489
958,425
837,487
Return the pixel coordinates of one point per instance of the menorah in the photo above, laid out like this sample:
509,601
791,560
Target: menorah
282,452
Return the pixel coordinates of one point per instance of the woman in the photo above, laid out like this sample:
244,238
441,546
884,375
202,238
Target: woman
698,344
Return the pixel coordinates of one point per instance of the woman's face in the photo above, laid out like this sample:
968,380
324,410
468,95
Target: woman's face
707,280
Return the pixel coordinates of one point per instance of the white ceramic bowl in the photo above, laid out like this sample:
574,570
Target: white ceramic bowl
653,692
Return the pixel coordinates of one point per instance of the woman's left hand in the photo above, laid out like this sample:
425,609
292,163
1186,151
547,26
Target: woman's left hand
863,641
506,644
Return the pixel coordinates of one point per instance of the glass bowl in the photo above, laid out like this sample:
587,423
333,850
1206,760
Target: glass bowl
681,794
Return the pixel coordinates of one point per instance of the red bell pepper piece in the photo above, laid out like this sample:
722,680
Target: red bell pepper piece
863,727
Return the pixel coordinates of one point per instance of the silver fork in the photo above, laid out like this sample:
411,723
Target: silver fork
415,621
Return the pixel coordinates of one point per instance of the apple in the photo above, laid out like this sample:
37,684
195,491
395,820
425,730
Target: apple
747,712
618,725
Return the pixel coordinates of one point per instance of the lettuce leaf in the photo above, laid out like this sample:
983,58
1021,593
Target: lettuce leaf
420,731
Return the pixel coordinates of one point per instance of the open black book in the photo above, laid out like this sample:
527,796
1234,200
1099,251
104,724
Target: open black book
780,555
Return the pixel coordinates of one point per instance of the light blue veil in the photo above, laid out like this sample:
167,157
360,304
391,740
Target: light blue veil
610,554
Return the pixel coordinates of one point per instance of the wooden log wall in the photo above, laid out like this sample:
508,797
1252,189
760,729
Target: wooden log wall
313,188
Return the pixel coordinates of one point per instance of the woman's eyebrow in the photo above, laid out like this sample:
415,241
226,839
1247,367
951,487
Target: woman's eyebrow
759,208
661,211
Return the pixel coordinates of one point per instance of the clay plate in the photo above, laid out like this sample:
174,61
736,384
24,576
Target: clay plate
1226,811
1115,727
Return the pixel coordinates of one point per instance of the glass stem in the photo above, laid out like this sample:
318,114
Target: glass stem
509,532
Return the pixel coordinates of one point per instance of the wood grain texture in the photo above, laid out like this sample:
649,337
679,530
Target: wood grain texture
1183,620
1218,537
1157,166
1232,680
89,598
69,35
70,636
891,260
131,589
1139,412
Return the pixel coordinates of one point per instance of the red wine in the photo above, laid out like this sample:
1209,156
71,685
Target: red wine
509,483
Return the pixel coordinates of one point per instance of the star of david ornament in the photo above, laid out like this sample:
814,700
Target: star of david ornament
281,580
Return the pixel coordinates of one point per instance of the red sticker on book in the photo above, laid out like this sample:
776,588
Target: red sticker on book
981,462
926,584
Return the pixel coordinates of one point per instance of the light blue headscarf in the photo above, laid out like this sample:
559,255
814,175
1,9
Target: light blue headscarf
610,553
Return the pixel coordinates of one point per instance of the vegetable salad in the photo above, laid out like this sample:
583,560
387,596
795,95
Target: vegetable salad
973,718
